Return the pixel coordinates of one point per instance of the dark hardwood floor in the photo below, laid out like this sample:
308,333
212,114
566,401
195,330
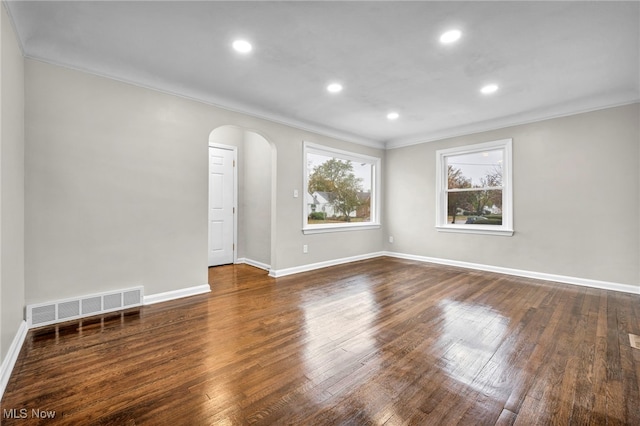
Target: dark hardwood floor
382,341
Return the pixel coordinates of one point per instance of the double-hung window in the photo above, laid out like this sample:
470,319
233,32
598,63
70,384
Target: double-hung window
474,189
341,190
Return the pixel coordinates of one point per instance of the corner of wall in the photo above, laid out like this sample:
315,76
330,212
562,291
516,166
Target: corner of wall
12,141
6,367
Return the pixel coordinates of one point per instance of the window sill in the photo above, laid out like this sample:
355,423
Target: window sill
321,229
476,230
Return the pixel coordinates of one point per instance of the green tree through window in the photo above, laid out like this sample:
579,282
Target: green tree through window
341,190
336,177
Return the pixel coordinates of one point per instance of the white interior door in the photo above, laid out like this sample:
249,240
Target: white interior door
221,205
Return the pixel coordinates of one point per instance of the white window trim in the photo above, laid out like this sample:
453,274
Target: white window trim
310,147
506,229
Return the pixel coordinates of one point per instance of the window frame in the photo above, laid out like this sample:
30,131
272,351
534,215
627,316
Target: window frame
374,223
506,229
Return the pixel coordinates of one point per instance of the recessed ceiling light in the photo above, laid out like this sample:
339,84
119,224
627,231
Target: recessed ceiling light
242,46
334,87
393,116
489,88
450,36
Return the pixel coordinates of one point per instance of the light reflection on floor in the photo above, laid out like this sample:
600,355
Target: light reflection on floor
472,333
328,348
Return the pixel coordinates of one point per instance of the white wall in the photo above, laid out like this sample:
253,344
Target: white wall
12,286
336,245
576,199
116,181
257,198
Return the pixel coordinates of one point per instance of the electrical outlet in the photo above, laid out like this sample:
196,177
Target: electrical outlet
390,239
305,248
295,193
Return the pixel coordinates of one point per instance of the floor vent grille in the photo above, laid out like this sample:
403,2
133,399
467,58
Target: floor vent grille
42,314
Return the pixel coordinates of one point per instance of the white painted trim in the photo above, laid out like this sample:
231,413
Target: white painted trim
254,263
12,356
376,189
585,282
323,229
221,145
565,279
604,102
312,266
511,121
224,104
176,294
477,229
506,229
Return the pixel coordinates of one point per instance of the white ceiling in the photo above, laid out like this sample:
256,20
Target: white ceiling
549,59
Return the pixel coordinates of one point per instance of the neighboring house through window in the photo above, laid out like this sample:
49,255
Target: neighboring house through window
341,190
474,189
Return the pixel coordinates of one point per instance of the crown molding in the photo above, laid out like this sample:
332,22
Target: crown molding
564,110
227,106
517,120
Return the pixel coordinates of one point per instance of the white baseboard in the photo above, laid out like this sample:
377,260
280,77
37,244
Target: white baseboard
14,350
254,263
176,294
12,356
585,282
312,266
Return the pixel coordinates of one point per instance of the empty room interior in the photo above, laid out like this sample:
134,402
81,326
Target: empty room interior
320,213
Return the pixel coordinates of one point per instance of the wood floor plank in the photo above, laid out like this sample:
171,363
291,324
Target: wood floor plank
378,342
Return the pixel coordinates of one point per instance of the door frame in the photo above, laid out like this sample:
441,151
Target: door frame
234,149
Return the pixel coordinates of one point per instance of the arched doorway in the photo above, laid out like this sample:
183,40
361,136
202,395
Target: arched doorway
255,200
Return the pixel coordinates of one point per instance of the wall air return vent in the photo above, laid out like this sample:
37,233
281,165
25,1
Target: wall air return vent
69,309
91,305
43,314
132,297
112,301
57,311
